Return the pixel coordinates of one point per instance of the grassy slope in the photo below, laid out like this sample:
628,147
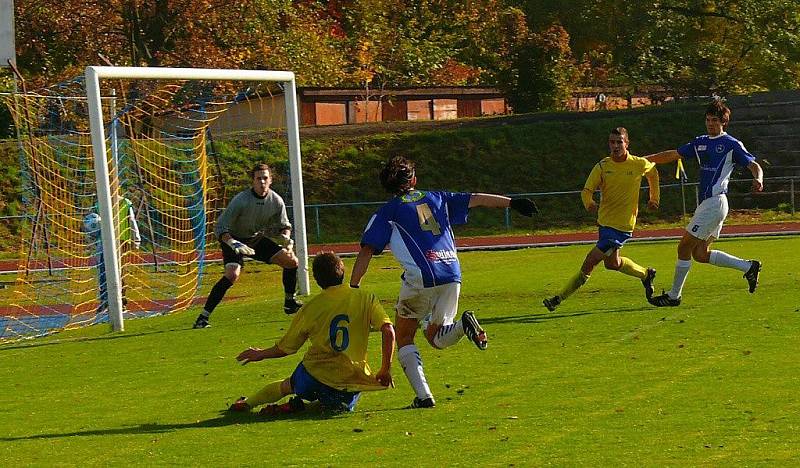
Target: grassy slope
500,157
520,154
605,380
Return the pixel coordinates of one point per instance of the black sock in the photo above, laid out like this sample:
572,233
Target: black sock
289,281
217,293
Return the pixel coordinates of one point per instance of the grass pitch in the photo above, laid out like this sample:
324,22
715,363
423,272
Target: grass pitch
606,379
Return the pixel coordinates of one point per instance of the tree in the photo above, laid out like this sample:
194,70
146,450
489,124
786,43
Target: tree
543,73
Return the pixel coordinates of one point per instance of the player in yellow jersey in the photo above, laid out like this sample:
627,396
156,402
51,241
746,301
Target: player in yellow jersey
619,178
334,370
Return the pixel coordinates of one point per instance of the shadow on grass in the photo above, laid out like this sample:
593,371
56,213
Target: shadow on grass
225,418
116,336
81,339
547,316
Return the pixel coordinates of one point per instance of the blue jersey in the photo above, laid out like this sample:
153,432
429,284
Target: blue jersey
418,228
717,157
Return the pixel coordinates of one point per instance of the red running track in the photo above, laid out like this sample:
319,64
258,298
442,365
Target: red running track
506,242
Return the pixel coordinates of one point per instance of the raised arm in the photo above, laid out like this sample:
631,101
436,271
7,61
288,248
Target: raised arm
361,265
758,176
664,157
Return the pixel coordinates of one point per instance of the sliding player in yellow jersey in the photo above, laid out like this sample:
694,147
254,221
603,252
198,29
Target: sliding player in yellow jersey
334,370
619,178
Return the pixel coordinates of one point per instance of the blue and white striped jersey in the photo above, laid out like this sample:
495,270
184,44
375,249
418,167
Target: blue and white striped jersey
417,227
717,157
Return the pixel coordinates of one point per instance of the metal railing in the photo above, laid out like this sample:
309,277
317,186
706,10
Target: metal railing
785,192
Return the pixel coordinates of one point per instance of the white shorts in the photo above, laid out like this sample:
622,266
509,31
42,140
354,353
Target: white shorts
439,301
708,218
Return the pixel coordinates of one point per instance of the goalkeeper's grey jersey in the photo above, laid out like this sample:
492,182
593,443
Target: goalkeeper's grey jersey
248,215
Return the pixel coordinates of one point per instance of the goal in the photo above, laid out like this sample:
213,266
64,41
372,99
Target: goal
138,143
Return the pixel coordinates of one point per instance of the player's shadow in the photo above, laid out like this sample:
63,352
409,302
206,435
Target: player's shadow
224,419
81,339
547,316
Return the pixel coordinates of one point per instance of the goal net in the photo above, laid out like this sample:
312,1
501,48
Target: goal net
122,186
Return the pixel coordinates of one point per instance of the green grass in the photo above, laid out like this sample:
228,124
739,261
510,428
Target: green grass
606,380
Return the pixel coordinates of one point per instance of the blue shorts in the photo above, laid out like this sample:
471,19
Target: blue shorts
611,239
308,388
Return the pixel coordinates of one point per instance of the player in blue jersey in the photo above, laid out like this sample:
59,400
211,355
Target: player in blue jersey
718,154
417,225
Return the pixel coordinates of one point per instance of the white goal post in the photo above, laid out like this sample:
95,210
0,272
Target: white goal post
93,76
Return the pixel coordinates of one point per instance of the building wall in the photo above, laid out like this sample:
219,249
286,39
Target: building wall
308,113
419,109
469,108
445,109
331,113
254,114
395,110
364,111
493,107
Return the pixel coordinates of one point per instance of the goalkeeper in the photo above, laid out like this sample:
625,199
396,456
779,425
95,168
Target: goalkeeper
241,231
619,178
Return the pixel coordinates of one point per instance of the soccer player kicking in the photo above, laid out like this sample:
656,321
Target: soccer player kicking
416,225
619,178
241,231
717,153
334,370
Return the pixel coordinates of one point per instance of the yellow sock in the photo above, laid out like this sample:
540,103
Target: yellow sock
631,268
269,394
574,283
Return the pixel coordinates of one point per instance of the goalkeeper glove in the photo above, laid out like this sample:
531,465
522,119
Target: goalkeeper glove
525,206
285,241
239,247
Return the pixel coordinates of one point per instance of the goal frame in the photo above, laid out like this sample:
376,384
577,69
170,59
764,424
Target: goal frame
94,74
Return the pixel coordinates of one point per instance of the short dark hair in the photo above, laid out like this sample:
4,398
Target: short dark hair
717,109
397,174
260,167
621,131
328,269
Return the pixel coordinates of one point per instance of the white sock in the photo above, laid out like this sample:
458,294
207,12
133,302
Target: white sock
449,335
720,258
681,271
409,358
205,313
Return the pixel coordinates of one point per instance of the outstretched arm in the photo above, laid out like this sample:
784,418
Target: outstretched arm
524,206
384,375
758,176
664,157
257,354
361,265
488,200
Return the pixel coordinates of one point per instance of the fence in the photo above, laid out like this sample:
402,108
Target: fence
335,222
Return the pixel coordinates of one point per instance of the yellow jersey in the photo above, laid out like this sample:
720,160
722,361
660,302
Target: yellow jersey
619,184
337,322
